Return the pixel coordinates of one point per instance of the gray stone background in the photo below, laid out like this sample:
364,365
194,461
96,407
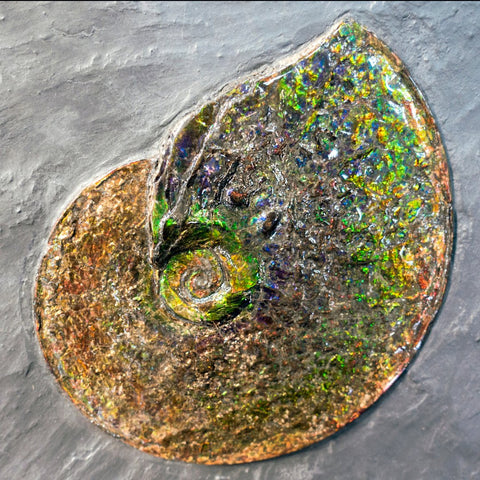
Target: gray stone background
86,87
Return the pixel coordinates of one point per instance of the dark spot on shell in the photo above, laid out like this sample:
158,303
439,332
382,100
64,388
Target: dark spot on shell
271,223
239,199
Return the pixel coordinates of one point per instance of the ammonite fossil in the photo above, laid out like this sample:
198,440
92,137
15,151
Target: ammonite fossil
269,277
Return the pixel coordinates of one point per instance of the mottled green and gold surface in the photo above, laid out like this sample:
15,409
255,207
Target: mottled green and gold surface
269,278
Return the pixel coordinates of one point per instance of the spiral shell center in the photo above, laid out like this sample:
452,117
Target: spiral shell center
202,278
205,284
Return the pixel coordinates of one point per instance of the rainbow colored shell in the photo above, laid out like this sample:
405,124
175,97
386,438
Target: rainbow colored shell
270,276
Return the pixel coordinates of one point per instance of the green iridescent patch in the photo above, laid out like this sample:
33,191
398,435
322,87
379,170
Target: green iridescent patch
270,276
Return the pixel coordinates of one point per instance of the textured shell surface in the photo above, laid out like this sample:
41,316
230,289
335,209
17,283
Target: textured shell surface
266,279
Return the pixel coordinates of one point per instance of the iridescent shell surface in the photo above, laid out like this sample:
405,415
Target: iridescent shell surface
268,278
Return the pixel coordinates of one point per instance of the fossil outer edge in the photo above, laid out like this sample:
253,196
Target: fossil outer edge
268,279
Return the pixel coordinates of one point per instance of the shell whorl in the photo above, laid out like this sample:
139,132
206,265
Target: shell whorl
264,282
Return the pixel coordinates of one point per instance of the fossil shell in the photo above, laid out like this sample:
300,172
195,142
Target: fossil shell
270,276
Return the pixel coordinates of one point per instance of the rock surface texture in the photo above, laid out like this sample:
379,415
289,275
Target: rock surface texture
89,87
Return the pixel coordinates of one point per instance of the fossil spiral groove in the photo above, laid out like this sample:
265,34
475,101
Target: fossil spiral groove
270,276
